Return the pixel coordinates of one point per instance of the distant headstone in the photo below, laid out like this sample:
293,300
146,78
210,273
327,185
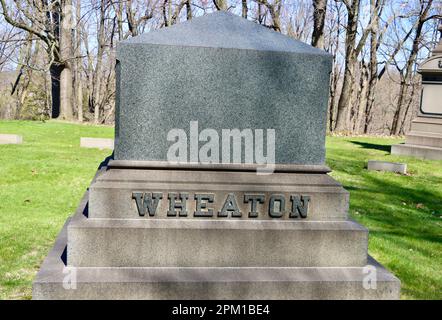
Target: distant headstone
100,143
218,188
387,166
425,137
10,139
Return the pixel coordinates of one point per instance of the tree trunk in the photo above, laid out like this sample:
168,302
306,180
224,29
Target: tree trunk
334,46
188,10
55,71
344,98
319,12
79,93
373,71
245,9
332,102
48,89
66,94
98,75
397,112
362,97
66,53
78,66
220,4
407,109
351,55
22,80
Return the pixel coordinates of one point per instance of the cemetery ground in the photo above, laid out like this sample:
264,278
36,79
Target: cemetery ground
43,179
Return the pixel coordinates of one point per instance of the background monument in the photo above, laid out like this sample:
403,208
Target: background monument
425,137
149,228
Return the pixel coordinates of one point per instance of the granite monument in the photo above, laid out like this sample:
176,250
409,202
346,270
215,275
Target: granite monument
182,209
424,140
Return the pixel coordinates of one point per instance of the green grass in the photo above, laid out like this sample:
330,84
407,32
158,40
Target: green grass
42,181
402,212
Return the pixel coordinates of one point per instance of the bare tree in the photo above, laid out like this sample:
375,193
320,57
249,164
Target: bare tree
78,63
220,4
78,57
334,32
274,10
49,23
352,51
319,13
245,9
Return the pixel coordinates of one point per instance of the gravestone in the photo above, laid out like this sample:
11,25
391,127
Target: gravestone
10,139
100,143
218,187
376,165
424,140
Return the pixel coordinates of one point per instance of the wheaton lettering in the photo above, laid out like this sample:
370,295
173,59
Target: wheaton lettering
206,206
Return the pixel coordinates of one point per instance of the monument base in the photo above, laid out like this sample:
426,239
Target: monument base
423,152
56,280
208,283
423,141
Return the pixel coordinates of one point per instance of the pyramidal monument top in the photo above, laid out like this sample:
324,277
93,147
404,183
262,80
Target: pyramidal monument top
223,30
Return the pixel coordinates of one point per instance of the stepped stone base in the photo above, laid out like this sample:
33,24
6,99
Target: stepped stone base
58,280
107,250
215,243
423,141
427,124
208,283
424,152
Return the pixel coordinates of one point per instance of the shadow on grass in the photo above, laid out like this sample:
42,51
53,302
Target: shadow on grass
408,234
367,145
392,207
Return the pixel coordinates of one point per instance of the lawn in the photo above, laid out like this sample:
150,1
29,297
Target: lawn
42,181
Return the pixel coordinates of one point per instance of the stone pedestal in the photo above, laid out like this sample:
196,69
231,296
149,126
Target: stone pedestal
115,253
424,139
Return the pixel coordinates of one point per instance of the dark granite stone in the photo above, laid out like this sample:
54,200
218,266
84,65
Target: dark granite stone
224,72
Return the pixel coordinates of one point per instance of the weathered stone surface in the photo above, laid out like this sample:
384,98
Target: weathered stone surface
427,124
198,282
424,139
209,283
215,243
224,72
424,152
100,143
111,194
387,166
10,139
